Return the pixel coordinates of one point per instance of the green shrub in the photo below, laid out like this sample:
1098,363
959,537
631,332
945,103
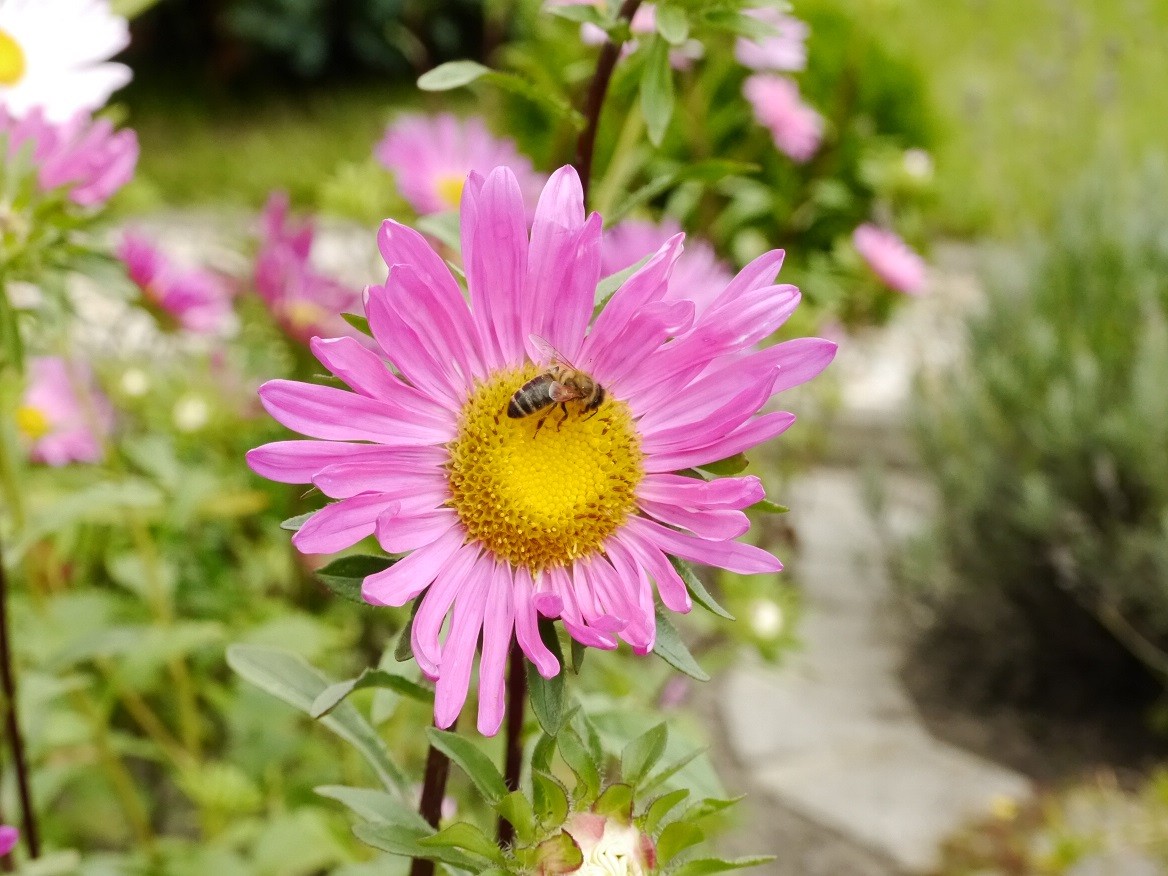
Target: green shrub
1049,449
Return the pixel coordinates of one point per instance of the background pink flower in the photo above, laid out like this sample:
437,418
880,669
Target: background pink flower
890,258
303,302
430,157
797,128
698,274
786,50
63,417
501,519
87,158
9,836
194,299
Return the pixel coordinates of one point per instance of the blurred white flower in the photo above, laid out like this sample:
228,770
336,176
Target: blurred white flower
191,413
918,164
54,55
135,383
766,619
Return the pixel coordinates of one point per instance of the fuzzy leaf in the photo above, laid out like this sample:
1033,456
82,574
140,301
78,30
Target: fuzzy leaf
672,649
293,524
516,808
374,805
670,771
704,866
464,835
657,98
331,696
662,806
580,762
676,838
452,74
557,855
616,802
642,753
291,678
551,798
547,694
672,24
698,590
345,575
473,762
398,840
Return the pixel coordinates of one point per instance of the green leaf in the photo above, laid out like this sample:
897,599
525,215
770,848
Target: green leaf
374,805
464,835
357,321
642,754
452,74
711,806
557,855
672,24
704,866
293,524
616,802
405,649
766,506
547,694
332,696
541,755
672,649
444,226
11,344
556,105
697,589
676,838
345,575
710,171
584,14
661,807
670,771
473,762
398,840
731,465
292,679
580,762
608,285
550,796
737,23
516,808
657,97
578,652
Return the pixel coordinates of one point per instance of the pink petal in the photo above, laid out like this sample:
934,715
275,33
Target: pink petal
427,626
341,524
458,652
748,435
399,532
410,470
337,415
721,524
396,335
408,577
702,426
737,493
746,559
498,623
670,586
627,575
297,462
527,625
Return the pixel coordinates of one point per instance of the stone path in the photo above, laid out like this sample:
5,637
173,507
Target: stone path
830,739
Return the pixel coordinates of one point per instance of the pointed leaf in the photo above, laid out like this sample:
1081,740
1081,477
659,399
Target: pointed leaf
473,762
672,24
616,802
698,590
405,649
704,866
374,805
670,771
551,798
331,696
291,678
675,838
580,762
661,807
357,321
293,524
517,809
547,694
452,74
464,835
642,754
344,576
398,840
670,648
657,90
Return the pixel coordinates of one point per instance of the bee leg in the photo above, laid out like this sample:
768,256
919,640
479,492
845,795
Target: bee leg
564,419
539,425
593,413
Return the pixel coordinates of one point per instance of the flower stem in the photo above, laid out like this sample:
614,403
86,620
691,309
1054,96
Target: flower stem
8,681
516,712
433,790
605,64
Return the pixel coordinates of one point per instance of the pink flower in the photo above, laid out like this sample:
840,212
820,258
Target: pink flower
796,127
9,836
609,846
196,300
507,504
698,274
86,158
644,23
430,157
63,417
786,50
890,258
303,302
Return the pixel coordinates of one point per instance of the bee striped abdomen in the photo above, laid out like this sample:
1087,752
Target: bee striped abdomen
535,395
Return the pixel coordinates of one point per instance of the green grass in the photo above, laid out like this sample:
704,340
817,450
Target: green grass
1030,92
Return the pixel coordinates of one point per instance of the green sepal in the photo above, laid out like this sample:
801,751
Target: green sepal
670,648
547,694
293,524
698,590
661,807
551,798
357,321
472,761
517,809
616,802
345,575
731,465
464,835
581,763
675,838
642,754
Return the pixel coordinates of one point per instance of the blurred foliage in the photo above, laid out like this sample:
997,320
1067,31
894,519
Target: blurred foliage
1092,827
1047,447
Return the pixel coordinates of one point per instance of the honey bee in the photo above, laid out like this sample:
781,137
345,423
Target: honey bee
560,383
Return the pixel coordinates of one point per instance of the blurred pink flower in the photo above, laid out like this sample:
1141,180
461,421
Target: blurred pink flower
193,299
785,50
797,128
63,417
303,302
430,157
698,274
9,836
644,23
502,520
890,258
87,158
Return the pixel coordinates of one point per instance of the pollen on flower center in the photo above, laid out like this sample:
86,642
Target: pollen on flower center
32,422
12,64
450,189
542,496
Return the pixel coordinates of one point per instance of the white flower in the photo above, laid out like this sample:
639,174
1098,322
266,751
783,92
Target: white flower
191,413
766,619
53,54
609,847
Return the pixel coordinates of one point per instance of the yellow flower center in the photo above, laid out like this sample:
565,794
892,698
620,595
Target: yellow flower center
303,315
12,64
542,495
32,422
450,189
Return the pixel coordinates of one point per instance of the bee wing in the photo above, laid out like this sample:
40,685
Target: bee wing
548,352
